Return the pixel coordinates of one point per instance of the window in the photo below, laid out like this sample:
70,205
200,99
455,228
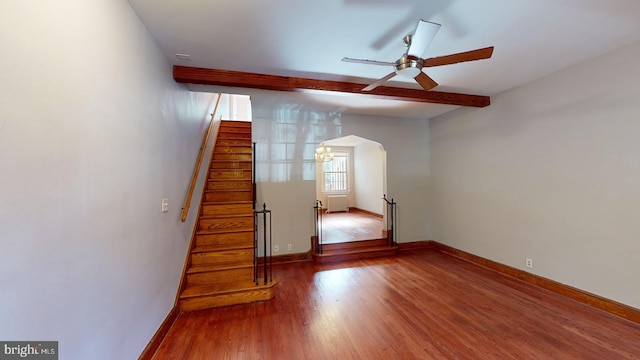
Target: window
335,173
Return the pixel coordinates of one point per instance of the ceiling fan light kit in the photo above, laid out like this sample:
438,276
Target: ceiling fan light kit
408,66
411,63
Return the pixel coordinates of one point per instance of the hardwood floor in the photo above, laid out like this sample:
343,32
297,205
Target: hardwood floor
422,304
339,227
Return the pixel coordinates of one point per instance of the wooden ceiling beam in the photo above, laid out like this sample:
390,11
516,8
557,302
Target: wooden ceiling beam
203,76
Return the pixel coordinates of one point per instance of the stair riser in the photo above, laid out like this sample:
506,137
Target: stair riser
226,299
220,276
224,134
229,185
238,239
233,142
233,124
236,129
230,174
226,224
354,245
236,123
227,209
226,196
231,164
239,257
232,156
334,258
232,149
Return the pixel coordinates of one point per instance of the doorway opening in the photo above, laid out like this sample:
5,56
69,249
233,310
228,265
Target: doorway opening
350,185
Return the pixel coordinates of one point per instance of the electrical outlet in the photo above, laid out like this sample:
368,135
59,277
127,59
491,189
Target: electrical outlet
289,247
276,248
528,263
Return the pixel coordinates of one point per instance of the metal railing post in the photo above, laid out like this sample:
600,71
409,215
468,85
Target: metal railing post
264,238
391,221
318,226
267,255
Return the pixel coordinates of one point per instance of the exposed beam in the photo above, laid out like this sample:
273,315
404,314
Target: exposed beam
192,75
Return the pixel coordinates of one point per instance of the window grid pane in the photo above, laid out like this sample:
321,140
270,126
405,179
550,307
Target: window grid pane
335,174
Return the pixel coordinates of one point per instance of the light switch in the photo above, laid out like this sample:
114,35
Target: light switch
165,205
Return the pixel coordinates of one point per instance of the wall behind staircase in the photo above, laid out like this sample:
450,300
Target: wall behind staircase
93,134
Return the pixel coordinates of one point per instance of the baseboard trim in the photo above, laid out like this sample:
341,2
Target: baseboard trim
352,209
156,340
596,301
415,245
289,258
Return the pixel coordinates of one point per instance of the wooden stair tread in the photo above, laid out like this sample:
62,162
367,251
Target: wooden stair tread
227,202
230,216
230,165
235,128
229,160
354,245
240,202
358,251
227,190
229,135
214,248
334,256
227,216
224,147
195,269
227,140
215,289
206,232
231,169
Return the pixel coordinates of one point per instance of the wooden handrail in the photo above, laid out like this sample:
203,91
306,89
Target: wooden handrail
194,178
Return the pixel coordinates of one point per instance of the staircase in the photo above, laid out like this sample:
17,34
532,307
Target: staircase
220,269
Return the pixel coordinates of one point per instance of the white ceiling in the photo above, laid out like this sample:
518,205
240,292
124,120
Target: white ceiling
532,39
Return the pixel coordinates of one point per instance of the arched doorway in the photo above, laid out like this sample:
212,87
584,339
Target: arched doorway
350,188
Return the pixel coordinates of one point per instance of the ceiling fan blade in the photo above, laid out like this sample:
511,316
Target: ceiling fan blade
421,38
370,62
472,55
379,82
425,81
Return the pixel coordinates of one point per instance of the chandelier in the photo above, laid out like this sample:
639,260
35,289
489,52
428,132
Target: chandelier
323,154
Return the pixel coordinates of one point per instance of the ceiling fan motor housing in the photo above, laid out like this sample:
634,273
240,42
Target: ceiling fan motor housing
409,66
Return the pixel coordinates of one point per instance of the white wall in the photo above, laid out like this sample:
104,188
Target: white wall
368,177
239,108
93,134
287,138
550,171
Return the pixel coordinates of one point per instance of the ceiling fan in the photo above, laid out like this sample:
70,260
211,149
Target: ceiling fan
411,63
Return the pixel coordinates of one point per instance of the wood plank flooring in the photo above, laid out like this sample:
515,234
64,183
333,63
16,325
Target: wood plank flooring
339,227
421,304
